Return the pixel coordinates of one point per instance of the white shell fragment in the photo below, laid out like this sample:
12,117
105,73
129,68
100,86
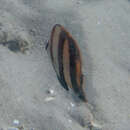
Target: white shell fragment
70,121
48,99
95,126
50,91
16,122
72,104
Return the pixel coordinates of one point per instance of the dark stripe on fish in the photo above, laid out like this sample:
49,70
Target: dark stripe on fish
81,91
75,69
72,51
66,63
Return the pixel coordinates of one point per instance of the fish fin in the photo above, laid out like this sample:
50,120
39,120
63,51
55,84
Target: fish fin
46,44
62,83
82,94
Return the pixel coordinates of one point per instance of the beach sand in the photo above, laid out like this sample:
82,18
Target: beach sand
30,93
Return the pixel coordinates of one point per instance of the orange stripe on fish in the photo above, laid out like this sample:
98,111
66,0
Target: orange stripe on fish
66,59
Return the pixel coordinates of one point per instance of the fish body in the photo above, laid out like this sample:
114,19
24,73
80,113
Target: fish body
66,59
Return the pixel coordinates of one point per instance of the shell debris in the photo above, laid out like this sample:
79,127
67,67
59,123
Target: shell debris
48,99
16,122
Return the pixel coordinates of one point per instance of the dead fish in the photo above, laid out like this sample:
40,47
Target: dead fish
66,60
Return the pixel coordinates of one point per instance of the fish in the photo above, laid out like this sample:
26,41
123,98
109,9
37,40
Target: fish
66,60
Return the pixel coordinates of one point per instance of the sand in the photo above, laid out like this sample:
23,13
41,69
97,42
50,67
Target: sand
102,29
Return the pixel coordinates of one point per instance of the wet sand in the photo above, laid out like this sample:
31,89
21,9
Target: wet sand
102,29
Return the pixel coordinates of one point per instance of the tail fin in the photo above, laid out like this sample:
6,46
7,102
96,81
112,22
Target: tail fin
82,94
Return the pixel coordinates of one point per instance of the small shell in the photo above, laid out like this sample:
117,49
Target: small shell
16,122
72,104
48,99
50,91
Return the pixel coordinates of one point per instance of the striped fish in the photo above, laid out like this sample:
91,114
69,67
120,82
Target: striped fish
66,60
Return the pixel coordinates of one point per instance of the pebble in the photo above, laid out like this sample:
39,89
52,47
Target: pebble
49,99
16,122
50,91
70,121
72,104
